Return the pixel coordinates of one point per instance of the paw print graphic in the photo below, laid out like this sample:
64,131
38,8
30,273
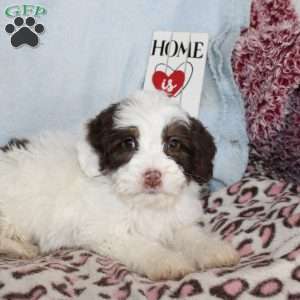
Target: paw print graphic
24,33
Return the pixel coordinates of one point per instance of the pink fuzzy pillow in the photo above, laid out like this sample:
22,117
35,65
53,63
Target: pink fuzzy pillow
266,64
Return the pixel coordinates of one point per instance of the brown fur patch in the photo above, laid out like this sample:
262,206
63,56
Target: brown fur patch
15,143
112,145
196,149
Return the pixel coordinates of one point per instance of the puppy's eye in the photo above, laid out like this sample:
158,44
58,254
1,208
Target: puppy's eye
129,144
173,145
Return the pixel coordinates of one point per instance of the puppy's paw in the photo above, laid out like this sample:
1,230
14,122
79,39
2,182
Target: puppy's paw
18,249
171,267
217,254
30,251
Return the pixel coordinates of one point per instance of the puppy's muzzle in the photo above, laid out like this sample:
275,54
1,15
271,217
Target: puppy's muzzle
152,179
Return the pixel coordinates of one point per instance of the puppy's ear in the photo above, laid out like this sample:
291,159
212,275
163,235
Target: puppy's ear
92,149
204,151
88,159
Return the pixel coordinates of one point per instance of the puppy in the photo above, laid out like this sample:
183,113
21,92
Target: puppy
127,188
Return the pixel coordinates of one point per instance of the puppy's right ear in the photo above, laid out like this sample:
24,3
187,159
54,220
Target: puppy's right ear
87,157
92,148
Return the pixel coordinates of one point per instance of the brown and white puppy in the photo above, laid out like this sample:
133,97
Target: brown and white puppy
129,188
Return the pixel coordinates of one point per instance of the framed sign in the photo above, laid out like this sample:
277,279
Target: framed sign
176,67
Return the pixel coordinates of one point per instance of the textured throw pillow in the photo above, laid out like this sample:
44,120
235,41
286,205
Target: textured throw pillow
266,64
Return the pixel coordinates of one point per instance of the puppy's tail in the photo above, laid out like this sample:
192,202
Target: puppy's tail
15,144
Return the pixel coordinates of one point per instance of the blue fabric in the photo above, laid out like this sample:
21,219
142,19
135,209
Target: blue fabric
95,52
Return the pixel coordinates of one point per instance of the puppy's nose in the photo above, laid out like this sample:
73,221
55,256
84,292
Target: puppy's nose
152,178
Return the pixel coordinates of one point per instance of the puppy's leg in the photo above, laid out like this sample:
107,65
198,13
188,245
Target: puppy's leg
18,249
148,258
206,250
15,245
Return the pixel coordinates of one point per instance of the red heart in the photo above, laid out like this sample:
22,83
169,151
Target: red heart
170,84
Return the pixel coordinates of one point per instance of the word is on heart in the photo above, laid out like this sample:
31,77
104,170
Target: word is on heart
172,81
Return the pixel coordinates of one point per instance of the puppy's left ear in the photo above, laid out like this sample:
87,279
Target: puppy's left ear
204,151
87,157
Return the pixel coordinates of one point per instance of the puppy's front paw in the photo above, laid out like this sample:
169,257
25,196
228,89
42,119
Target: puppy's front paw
18,249
30,251
217,254
170,267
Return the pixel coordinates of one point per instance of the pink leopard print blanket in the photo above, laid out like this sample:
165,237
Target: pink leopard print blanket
261,217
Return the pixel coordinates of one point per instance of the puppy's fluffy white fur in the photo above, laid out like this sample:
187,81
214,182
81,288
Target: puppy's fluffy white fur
53,195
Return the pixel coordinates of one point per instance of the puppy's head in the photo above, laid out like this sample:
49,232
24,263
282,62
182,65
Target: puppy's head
148,147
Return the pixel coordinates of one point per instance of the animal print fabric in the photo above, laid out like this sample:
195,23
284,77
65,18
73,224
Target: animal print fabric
261,217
